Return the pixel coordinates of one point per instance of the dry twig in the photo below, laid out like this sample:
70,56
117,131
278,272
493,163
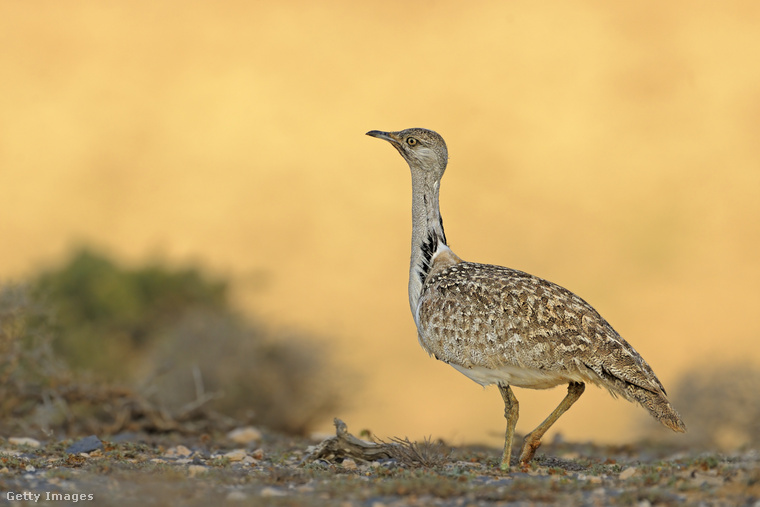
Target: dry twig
345,445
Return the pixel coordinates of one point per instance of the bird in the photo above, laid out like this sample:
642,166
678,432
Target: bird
502,326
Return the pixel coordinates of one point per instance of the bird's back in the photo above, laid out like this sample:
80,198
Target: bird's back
497,324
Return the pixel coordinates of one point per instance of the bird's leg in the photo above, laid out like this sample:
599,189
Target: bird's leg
533,439
511,413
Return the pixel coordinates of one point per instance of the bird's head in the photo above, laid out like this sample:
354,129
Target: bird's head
424,150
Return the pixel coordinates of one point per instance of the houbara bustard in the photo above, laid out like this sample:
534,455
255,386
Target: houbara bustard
501,326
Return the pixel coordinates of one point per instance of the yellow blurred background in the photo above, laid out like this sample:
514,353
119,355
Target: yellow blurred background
611,147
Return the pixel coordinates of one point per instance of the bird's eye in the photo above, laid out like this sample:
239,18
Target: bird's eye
411,141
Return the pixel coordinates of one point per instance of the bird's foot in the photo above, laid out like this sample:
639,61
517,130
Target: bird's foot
505,460
530,446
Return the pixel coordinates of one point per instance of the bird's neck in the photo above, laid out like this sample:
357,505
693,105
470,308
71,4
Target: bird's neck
428,238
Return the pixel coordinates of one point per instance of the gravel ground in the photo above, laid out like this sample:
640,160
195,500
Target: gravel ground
251,468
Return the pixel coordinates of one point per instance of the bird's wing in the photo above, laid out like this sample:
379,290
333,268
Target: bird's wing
484,316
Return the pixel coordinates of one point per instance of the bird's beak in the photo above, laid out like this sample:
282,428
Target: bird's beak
387,136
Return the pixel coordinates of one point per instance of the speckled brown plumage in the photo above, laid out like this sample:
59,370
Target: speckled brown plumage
501,326
529,332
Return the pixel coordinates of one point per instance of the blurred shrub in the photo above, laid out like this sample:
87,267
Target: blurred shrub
26,356
39,395
106,313
170,336
720,405
279,379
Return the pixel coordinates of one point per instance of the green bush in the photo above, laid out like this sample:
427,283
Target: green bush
26,355
108,315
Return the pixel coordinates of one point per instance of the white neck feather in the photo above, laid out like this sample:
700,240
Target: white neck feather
428,238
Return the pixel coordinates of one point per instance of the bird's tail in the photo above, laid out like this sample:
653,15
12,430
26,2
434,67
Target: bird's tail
657,404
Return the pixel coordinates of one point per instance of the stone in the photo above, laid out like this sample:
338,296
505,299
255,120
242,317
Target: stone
178,452
24,441
236,455
627,473
245,435
349,464
236,496
86,444
270,491
194,470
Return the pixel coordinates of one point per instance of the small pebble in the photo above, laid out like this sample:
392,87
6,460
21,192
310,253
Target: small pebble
86,444
24,441
236,455
258,454
178,452
194,470
236,496
592,479
245,435
349,464
627,473
270,491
